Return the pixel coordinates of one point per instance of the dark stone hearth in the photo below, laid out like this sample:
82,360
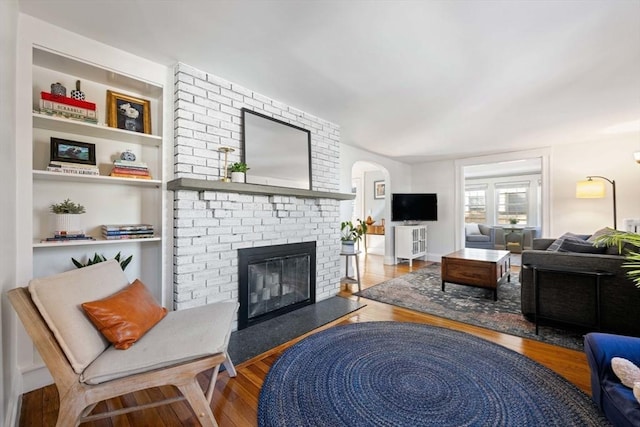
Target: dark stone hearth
264,336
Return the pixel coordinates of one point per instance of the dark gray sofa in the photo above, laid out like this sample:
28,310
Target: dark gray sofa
571,298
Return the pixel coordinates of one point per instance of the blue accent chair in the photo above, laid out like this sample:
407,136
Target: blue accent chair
485,240
615,400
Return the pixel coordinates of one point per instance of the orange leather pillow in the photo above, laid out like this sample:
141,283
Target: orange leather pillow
126,316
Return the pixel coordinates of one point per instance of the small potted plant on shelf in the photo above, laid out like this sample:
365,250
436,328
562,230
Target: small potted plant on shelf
351,233
68,216
238,171
513,221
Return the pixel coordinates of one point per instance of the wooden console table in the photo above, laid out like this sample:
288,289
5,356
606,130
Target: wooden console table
376,230
595,274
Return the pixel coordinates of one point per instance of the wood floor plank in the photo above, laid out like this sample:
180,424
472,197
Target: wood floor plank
235,400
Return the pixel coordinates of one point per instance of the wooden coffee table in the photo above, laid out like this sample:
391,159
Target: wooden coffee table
484,268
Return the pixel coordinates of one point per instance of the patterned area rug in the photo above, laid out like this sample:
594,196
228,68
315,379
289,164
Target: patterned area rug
406,374
421,291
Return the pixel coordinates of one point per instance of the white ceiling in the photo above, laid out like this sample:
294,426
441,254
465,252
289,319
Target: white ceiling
411,80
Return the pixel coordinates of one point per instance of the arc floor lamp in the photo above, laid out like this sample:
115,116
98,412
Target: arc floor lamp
591,189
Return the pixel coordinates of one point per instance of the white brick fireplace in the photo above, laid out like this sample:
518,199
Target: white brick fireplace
212,220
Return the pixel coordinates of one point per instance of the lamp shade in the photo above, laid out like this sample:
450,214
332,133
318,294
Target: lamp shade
590,189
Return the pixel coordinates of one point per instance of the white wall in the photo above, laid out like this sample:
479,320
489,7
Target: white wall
8,374
397,176
609,156
439,178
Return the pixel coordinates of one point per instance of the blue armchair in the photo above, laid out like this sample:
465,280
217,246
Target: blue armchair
614,399
485,240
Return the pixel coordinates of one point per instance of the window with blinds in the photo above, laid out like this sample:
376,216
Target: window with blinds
475,204
513,202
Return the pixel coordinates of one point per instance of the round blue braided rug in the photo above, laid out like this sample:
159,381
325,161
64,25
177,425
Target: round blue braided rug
405,374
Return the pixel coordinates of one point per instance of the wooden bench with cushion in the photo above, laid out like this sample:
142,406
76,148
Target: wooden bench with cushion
87,369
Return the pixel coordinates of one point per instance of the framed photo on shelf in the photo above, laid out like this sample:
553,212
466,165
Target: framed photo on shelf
378,190
64,150
128,113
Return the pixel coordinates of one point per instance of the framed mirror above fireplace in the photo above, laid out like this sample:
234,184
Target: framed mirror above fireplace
277,153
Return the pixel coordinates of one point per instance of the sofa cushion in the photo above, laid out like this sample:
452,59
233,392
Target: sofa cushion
620,405
125,316
58,299
582,247
602,232
478,238
566,236
472,229
182,335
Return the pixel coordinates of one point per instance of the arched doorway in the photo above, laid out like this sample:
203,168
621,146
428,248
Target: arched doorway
370,182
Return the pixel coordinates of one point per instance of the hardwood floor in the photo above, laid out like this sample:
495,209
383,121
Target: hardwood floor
235,400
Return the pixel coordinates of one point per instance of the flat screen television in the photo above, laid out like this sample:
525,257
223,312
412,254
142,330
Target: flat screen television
414,207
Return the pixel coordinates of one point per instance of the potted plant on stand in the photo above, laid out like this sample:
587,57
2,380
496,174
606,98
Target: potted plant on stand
351,234
238,171
67,217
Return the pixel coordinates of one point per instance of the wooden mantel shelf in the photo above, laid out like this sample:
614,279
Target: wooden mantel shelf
268,190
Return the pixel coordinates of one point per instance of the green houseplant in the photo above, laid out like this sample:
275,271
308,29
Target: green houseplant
67,207
100,258
238,171
620,239
67,217
351,234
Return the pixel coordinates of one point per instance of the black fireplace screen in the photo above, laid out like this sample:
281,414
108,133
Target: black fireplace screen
274,280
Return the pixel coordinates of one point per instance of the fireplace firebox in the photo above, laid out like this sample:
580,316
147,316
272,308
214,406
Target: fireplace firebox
274,280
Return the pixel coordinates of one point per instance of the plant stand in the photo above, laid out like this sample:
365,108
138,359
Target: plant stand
350,280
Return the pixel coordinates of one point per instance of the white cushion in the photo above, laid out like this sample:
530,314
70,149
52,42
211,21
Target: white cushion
636,391
58,299
182,335
472,229
626,371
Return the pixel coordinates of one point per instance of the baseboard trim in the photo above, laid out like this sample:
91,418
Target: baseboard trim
14,404
35,377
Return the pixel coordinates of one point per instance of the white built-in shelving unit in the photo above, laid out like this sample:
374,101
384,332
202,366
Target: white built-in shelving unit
108,200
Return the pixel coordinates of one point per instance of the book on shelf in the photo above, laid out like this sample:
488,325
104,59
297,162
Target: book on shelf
71,165
123,232
72,170
128,175
126,227
130,164
69,101
64,115
127,236
67,109
66,239
141,172
69,234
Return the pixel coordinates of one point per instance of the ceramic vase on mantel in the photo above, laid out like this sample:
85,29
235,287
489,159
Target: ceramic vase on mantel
68,223
237,176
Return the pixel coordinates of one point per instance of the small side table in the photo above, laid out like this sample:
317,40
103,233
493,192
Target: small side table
596,275
349,280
